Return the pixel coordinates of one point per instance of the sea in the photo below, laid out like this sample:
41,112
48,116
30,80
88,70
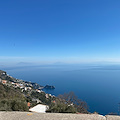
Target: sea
97,85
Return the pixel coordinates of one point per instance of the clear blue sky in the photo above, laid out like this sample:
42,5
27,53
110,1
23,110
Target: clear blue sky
59,30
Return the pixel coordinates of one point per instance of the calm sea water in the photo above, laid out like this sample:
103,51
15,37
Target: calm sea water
99,87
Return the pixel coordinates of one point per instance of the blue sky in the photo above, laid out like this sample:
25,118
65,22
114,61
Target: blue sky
70,31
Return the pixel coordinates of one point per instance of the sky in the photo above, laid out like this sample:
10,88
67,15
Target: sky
51,31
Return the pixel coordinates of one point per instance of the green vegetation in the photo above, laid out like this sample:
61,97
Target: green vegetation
68,103
34,98
15,94
4,76
61,107
42,97
11,99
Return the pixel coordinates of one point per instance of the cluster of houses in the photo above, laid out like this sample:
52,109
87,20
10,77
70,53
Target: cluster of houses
3,81
22,85
26,86
16,83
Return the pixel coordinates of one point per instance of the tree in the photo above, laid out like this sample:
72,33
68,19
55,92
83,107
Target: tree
12,99
72,99
60,106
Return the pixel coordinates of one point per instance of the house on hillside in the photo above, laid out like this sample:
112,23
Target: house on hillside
3,73
4,81
39,108
29,104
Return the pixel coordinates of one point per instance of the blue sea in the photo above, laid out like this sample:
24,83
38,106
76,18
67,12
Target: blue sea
99,86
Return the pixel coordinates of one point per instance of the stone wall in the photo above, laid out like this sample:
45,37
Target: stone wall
53,116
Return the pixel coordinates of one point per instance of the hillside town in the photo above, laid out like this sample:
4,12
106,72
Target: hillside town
17,83
23,85
28,89
19,95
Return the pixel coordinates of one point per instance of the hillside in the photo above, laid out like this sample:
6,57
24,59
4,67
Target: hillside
11,99
19,95
15,94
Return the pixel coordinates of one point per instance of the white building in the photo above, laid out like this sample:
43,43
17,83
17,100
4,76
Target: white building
39,108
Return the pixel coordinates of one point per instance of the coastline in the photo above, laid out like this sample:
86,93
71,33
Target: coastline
95,103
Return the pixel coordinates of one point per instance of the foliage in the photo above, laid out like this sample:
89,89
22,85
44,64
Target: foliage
13,105
5,76
61,107
68,103
41,96
71,98
11,99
